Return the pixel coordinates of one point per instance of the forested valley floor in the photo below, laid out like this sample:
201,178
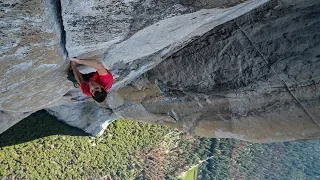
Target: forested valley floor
40,147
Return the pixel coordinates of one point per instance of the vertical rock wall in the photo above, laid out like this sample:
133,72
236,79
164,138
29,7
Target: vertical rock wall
248,71
254,78
31,61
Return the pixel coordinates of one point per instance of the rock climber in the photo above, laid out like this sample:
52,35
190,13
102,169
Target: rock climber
94,84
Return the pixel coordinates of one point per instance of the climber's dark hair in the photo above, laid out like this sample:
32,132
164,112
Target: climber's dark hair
99,96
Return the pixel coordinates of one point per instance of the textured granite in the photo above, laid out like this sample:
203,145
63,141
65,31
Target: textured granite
31,75
87,116
239,71
244,79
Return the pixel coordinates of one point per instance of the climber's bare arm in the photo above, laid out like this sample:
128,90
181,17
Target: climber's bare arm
92,63
76,73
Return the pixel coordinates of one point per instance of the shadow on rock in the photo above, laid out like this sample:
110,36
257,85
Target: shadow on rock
39,124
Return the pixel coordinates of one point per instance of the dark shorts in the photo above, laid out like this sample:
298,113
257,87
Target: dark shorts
86,77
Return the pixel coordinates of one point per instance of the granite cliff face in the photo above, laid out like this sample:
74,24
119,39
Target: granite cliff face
246,70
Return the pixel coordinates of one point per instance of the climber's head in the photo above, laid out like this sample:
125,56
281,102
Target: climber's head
97,91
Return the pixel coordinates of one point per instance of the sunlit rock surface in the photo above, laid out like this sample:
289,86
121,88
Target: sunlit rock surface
31,63
245,70
244,79
88,116
8,119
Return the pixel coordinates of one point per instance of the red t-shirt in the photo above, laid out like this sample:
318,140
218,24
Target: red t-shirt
105,80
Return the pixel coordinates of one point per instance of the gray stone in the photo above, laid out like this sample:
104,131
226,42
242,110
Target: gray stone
87,116
31,63
8,119
234,88
133,37
248,71
151,45
94,26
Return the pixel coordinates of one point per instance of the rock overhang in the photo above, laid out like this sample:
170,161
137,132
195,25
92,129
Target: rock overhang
149,47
